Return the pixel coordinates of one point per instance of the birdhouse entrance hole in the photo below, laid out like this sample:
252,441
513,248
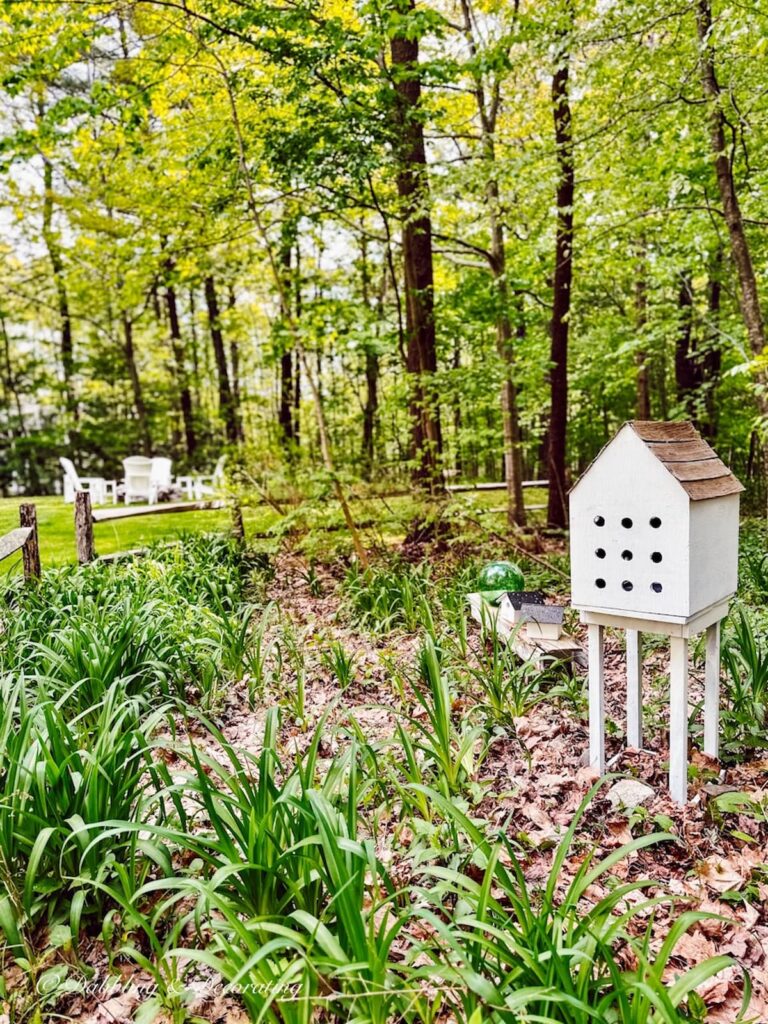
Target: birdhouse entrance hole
628,555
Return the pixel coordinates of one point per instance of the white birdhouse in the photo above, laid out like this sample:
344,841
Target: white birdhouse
655,525
654,548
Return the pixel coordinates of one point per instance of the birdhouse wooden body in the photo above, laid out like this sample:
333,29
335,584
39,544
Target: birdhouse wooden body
654,526
654,548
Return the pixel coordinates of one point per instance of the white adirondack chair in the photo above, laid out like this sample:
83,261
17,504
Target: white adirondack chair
138,471
99,488
212,483
160,478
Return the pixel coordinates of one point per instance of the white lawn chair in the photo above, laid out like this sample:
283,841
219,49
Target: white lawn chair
160,478
99,488
138,471
215,480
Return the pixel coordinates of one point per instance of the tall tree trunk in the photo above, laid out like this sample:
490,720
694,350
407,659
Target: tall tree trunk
642,383
660,377
297,306
297,401
26,459
557,508
686,370
510,418
413,193
370,410
138,392
234,364
285,416
196,389
50,238
742,258
459,461
9,384
712,355
179,359
371,404
749,298
226,402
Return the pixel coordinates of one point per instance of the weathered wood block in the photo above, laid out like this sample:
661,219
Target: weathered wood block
540,650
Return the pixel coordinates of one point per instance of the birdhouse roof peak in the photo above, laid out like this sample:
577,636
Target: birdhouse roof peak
685,454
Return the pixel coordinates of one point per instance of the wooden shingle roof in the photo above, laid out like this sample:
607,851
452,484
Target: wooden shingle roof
686,455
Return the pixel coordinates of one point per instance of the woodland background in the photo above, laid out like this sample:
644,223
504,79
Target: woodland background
380,240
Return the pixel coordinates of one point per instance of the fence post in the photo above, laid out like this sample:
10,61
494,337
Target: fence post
84,527
238,526
30,552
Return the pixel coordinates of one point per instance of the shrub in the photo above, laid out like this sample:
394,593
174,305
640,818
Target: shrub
168,624
63,774
744,716
383,599
505,952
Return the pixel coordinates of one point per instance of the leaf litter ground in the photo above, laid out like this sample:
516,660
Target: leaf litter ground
530,784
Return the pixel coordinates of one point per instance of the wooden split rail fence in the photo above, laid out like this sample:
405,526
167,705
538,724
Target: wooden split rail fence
24,539
500,486
86,517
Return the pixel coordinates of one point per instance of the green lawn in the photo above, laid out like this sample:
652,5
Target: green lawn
57,529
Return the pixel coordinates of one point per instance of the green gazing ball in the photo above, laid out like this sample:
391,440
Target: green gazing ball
496,578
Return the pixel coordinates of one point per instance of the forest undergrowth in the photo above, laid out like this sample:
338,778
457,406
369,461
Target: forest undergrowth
240,787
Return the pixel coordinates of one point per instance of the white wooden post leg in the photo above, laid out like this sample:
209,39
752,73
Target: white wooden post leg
678,719
596,699
712,692
634,690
